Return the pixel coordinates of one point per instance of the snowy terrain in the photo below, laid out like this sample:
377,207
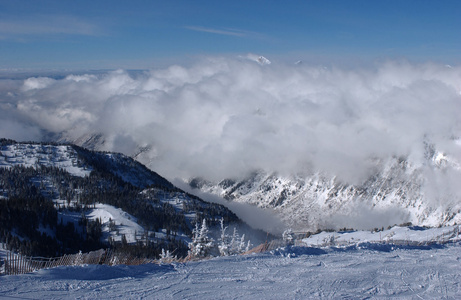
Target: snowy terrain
166,203
65,157
399,190
365,266
287,273
415,236
32,155
398,262
117,223
124,223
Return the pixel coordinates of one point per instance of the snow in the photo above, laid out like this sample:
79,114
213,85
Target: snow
399,262
31,155
67,158
259,59
395,235
287,273
125,223
398,192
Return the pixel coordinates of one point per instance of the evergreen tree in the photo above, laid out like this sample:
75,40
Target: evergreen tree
224,244
166,257
288,236
201,243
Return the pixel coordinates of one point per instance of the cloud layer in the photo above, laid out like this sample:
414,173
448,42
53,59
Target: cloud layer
223,117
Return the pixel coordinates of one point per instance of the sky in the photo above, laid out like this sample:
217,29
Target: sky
204,107
147,34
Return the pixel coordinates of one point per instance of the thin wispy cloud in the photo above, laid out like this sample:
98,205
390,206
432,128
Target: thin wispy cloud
47,25
225,31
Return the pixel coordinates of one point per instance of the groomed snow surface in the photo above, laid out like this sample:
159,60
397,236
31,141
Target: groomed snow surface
357,271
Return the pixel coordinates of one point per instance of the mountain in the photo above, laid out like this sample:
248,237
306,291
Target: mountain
59,198
398,191
258,58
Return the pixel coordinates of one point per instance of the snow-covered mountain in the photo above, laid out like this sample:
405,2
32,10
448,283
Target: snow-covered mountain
58,192
258,58
397,191
78,161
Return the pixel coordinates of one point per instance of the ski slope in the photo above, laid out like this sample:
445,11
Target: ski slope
124,223
289,273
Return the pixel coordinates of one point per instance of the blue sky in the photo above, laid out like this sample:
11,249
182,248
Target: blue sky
146,34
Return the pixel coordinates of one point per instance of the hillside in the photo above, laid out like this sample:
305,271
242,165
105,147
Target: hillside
59,199
398,190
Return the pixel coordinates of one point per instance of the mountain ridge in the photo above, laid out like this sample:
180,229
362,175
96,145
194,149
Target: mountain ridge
395,193
398,189
82,190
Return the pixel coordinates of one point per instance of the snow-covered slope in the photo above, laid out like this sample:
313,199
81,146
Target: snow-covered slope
397,191
115,222
397,235
33,155
78,161
107,196
290,273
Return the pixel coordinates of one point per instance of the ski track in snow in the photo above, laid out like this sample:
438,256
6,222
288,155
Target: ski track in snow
289,273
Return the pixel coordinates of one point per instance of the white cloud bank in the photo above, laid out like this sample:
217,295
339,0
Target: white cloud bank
224,117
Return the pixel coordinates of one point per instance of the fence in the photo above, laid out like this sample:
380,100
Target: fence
267,246
15,264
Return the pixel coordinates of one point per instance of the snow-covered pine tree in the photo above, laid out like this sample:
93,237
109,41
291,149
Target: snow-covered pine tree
201,243
233,246
247,248
241,247
195,238
237,244
288,236
223,241
166,257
